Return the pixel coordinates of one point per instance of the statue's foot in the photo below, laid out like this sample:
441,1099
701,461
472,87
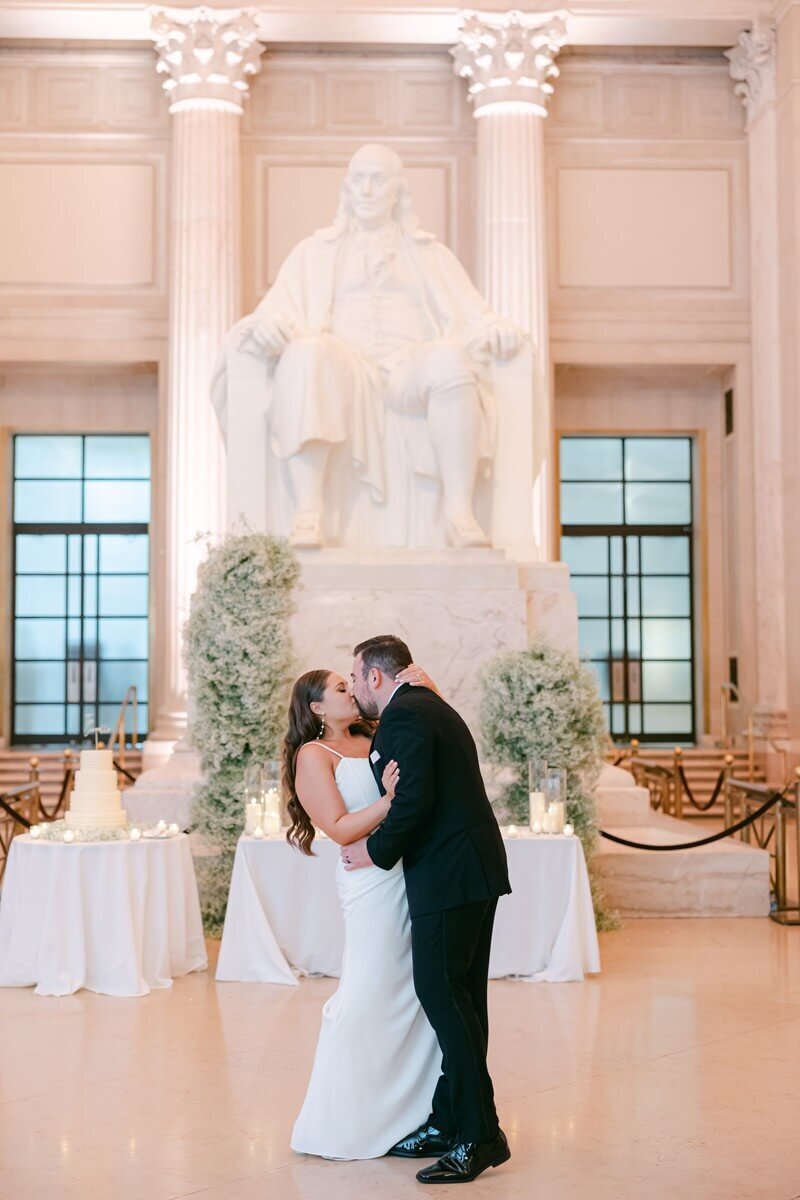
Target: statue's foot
464,532
307,530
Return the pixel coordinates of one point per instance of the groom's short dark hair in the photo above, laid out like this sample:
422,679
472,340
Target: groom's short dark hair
388,653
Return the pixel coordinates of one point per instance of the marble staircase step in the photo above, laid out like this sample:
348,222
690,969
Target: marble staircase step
726,878
702,766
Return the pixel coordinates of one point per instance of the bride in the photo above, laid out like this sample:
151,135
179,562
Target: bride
377,1060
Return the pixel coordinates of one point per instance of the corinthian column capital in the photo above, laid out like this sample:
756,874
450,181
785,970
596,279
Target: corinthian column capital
509,58
206,54
751,63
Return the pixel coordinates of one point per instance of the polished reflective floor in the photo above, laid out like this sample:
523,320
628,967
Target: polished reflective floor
675,1074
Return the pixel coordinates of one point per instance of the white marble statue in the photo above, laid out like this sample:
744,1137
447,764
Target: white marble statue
369,318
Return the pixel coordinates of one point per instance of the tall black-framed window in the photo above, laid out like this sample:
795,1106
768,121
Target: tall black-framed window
627,536
81,549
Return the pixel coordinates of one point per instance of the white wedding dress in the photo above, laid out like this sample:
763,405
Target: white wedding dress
377,1059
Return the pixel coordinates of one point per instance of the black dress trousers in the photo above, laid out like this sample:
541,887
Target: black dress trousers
451,965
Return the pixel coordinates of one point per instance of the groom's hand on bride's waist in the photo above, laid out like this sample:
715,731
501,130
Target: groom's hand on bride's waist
356,855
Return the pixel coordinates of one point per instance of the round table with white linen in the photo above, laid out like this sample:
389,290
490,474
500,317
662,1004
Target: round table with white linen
115,917
283,915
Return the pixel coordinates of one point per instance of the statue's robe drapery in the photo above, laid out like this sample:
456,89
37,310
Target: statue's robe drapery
302,298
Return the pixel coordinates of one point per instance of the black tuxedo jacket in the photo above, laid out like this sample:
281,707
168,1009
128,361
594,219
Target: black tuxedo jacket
441,823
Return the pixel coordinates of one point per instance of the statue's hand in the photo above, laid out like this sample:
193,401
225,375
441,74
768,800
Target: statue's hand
501,339
258,336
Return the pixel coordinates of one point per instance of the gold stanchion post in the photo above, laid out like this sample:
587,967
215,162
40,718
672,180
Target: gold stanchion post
677,784
797,837
780,857
728,770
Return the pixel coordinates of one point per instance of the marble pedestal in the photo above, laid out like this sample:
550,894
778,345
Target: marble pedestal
456,609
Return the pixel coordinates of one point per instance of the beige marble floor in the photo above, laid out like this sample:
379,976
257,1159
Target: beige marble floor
674,1074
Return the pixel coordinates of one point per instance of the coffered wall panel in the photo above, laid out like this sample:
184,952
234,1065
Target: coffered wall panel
108,210
632,228
617,96
51,91
647,201
84,160
13,98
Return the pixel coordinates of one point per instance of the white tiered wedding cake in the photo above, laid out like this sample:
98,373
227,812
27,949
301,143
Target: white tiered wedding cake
95,800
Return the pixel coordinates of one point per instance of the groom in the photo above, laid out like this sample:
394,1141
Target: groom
442,826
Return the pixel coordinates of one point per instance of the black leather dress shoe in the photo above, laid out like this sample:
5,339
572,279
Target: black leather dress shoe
466,1161
425,1142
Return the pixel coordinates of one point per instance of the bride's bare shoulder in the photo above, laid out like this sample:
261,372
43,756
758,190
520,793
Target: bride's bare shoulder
319,754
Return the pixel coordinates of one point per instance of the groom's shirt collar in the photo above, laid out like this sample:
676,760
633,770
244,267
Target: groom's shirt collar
394,693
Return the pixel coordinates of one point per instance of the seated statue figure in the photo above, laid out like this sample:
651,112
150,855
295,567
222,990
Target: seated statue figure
369,316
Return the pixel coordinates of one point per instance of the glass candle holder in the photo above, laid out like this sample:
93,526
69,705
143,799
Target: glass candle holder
557,799
537,793
272,795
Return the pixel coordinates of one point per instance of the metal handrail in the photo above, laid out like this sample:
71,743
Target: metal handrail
750,796
119,729
28,797
730,691
726,690
752,734
655,777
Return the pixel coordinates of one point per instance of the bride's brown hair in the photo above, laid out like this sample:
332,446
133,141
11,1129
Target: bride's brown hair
304,726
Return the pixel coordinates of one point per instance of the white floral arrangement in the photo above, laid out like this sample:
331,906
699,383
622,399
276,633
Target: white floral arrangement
239,664
543,703
53,831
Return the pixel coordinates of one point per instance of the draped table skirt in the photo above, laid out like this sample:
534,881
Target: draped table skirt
283,917
113,917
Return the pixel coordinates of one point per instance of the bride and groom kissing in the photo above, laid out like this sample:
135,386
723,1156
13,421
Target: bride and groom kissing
389,770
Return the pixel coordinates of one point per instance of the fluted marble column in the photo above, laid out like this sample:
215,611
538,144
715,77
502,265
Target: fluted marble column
787,115
206,57
509,64
752,66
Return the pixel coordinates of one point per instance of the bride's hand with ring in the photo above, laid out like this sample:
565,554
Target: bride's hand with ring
416,677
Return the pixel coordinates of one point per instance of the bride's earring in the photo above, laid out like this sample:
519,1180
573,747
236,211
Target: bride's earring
322,726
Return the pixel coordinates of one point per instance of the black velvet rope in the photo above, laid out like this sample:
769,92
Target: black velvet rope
769,803
702,806
12,812
122,771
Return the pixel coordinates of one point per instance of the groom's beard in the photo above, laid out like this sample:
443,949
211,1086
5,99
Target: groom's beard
368,709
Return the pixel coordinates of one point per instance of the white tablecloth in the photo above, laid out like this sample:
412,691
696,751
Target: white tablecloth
283,913
114,917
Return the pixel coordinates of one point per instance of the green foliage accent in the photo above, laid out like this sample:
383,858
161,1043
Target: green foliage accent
543,703
239,665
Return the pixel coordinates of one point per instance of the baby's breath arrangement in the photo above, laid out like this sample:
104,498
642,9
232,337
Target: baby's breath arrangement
53,831
543,703
239,663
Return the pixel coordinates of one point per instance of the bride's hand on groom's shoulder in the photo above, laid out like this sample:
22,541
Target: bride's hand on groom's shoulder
417,677
390,779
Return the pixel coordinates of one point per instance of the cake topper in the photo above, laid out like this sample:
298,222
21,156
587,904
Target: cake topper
96,730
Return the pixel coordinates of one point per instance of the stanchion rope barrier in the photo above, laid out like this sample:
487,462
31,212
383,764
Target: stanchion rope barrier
769,803
12,812
702,806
